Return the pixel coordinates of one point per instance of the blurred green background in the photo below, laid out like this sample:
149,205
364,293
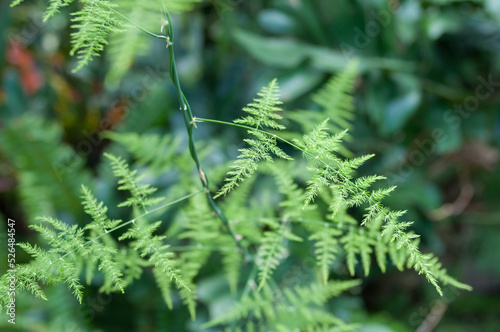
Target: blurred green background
427,104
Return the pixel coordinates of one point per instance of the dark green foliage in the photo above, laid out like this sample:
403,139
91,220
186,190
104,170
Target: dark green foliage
277,248
72,247
49,173
270,309
332,180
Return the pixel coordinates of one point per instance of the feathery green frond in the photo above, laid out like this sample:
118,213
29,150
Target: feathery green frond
326,248
335,98
264,113
365,244
231,263
112,274
54,7
153,150
92,23
351,249
129,181
164,286
256,238
63,239
48,171
15,2
152,246
272,250
318,146
330,171
130,42
97,210
335,102
296,308
203,229
294,196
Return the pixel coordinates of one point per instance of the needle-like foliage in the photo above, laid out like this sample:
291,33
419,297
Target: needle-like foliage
263,114
130,182
271,308
92,23
316,196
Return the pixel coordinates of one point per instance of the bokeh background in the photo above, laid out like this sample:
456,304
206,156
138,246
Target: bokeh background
427,104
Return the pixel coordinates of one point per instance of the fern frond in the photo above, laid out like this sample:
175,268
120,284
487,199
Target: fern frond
365,243
70,274
236,206
296,308
130,263
351,249
251,305
97,211
335,101
128,43
113,276
264,110
441,275
263,114
204,230
326,248
67,240
294,196
25,278
152,246
189,297
130,182
69,246
272,249
231,263
93,23
381,251
48,261
158,152
48,171
53,8
318,146
381,246
409,241
164,285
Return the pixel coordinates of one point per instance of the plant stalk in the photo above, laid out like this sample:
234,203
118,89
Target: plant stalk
189,123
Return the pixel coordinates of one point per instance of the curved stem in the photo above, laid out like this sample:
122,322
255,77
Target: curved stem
258,130
199,247
339,225
137,25
189,122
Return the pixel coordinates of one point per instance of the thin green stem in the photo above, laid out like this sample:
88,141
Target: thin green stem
189,123
258,130
125,224
133,220
151,211
137,25
284,141
294,220
200,247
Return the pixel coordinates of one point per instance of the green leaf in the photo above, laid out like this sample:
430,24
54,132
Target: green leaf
289,53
